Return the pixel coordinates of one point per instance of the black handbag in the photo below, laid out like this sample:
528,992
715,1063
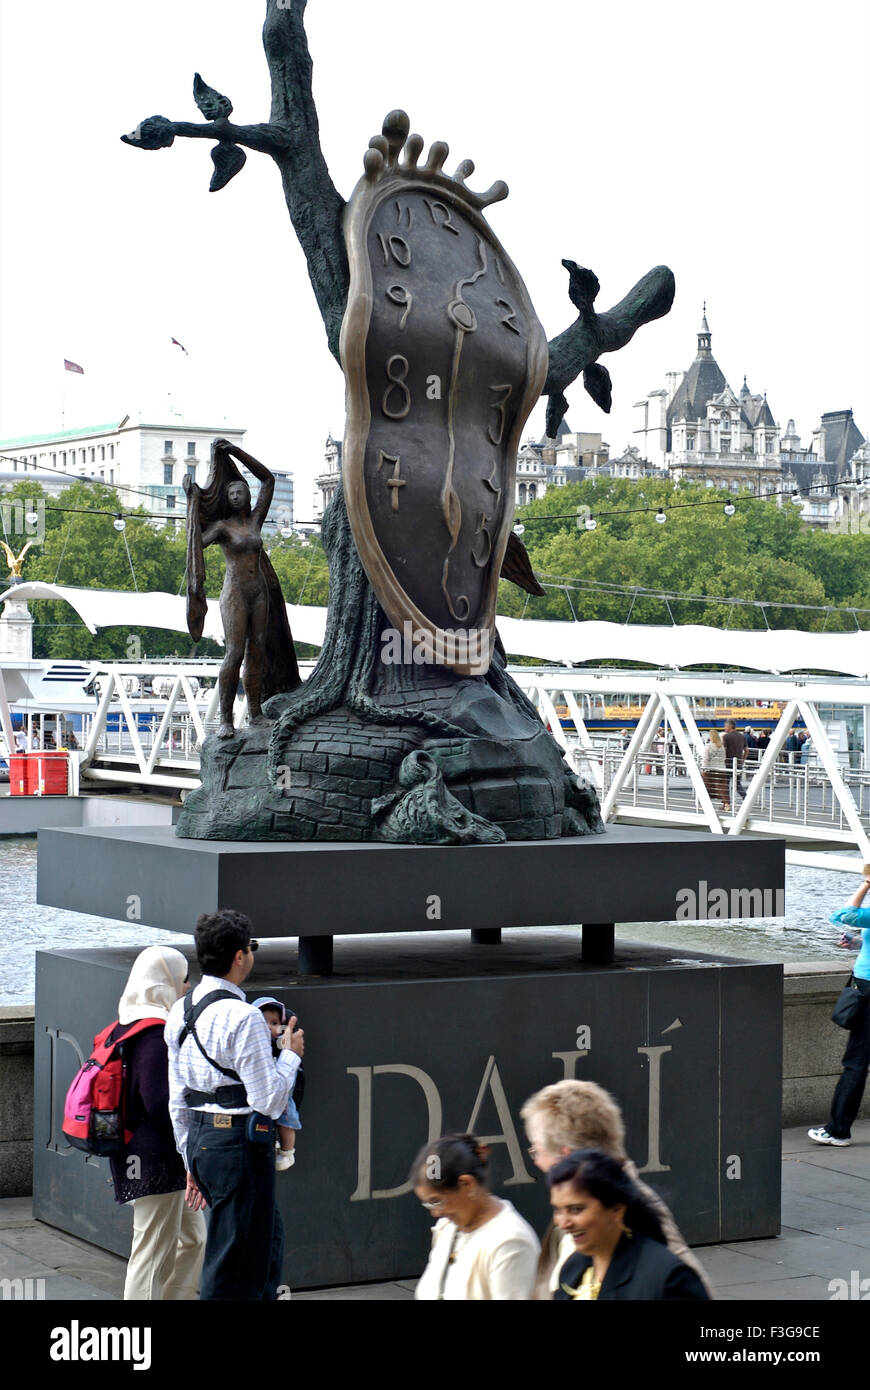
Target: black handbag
849,1008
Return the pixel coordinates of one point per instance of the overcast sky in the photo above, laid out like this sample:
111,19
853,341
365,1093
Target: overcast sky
730,142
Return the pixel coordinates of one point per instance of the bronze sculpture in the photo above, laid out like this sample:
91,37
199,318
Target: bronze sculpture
256,629
443,358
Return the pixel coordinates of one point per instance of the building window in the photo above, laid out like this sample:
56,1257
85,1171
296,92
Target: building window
191,449
54,460
167,473
102,453
170,501
533,491
690,441
111,451
93,455
725,444
82,457
111,475
167,447
191,471
768,446
522,494
63,458
726,421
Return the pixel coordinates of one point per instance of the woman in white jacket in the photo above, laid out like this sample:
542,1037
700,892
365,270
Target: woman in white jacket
482,1249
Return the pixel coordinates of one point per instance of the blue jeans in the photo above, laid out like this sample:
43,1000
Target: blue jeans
850,1087
245,1242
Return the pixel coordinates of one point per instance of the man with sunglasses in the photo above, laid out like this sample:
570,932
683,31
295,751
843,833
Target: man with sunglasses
224,1085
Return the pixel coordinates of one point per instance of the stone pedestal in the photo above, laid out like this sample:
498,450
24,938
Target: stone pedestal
421,1035
447,1024
16,630
307,890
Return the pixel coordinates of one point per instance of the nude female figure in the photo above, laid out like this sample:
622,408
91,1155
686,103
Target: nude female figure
251,604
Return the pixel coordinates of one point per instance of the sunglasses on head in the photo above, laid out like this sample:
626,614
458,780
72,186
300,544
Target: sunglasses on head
253,944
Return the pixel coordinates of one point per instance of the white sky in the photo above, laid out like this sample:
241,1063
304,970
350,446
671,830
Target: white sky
730,142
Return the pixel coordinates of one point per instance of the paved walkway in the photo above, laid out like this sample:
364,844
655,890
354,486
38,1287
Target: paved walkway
825,1236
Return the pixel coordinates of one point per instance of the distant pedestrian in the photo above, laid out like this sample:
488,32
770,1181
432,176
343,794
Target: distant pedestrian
735,752
849,1091
713,769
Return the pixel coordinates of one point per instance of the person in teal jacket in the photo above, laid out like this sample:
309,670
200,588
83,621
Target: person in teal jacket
856,1059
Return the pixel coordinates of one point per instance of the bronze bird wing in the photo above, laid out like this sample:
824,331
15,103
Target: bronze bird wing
517,567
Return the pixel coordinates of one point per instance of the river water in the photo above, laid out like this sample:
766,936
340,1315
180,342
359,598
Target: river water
804,933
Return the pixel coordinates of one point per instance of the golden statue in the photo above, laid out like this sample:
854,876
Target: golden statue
15,561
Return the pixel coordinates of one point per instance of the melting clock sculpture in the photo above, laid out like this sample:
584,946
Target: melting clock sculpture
409,729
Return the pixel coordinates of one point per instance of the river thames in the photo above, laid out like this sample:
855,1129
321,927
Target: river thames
804,933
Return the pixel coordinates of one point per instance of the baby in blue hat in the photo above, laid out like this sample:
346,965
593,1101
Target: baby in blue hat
277,1017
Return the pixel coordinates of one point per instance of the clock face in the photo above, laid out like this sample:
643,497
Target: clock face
444,359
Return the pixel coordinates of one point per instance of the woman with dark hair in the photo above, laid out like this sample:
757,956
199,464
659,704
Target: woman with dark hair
621,1254
481,1246
252,605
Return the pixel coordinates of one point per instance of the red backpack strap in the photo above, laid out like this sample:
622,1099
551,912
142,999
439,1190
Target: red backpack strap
103,1048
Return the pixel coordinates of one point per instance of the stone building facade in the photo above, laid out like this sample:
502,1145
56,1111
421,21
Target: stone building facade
144,462
697,428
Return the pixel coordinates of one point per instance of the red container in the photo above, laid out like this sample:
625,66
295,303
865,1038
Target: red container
51,773
19,775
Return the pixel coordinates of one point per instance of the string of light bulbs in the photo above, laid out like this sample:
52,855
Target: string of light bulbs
639,591
661,516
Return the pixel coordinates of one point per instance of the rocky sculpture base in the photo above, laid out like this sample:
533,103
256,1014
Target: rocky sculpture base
343,778
371,748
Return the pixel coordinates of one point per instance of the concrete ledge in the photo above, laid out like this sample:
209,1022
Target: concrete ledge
16,1100
26,815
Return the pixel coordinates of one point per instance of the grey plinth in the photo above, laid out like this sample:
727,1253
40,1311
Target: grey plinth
316,891
420,1035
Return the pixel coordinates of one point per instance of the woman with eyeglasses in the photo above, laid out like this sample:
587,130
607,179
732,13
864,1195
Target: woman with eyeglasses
481,1246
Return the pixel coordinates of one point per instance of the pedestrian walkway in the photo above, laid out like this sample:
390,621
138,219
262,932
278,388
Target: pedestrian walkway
825,1236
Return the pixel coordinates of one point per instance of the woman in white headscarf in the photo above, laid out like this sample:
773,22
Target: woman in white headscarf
168,1233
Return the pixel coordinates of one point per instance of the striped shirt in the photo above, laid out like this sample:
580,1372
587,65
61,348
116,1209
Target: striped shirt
236,1035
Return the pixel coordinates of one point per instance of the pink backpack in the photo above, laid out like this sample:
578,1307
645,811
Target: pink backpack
93,1112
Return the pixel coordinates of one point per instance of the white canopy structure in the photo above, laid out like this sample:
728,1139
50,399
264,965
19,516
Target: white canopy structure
691,645
564,643
119,608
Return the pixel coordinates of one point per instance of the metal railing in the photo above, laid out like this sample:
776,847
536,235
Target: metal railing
650,772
